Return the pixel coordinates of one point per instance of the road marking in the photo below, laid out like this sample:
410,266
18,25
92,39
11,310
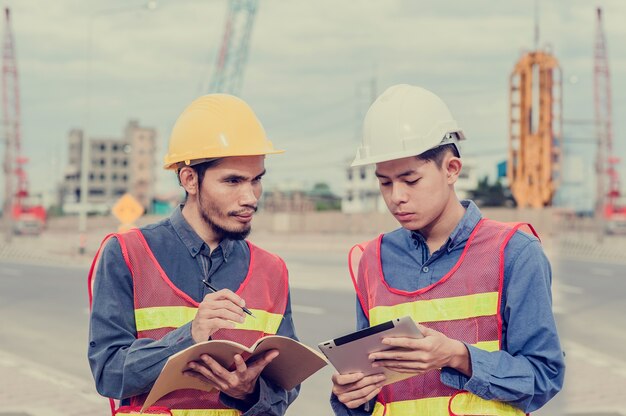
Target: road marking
591,356
9,272
308,309
49,375
572,290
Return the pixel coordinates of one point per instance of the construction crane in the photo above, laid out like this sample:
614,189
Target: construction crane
535,128
20,216
233,53
607,176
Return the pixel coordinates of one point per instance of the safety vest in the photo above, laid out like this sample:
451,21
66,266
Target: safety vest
161,307
463,305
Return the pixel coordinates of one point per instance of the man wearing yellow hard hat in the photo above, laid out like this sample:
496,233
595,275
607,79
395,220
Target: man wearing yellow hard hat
153,288
479,289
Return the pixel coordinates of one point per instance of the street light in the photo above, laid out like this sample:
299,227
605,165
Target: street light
151,5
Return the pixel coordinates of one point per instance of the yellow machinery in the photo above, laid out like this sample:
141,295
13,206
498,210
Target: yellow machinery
534,164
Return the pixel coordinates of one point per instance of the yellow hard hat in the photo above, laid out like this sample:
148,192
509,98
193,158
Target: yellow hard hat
214,126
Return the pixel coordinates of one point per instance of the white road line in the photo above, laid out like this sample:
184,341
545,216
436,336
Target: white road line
569,289
6,271
308,309
48,374
580,352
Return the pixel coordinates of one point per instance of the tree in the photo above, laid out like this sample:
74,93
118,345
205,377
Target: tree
491,195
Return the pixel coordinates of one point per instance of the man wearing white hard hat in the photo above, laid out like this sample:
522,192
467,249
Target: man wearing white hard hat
153,288
478,289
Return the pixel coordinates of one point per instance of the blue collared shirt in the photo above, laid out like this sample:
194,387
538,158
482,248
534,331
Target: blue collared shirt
124,366
530,368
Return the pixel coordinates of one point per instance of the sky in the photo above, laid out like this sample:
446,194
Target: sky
309,76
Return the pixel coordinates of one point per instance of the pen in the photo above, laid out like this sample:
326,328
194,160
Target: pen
213,289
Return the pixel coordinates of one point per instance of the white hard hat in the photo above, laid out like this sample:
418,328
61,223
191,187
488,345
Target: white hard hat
405,121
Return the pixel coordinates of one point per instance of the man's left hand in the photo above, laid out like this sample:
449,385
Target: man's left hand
239,383
419,355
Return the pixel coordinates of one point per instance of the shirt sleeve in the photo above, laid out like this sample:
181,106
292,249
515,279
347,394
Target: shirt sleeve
529,369
364,410
268,398
122,365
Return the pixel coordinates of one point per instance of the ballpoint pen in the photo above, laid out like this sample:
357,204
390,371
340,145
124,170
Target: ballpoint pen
213,289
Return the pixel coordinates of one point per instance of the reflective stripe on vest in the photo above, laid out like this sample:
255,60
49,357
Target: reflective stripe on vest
462,404
437,310
184,412
177,316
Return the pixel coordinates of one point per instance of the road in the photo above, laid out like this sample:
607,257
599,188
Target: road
44,331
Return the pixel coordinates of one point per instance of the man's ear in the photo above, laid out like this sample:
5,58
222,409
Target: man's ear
188,179
453,166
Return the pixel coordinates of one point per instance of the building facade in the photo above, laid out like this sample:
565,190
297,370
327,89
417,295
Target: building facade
116,166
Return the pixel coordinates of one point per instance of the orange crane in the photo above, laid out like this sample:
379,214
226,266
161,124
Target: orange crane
23,215
608,208
535,128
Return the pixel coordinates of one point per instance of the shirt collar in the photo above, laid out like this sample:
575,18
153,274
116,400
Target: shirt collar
461,232
192,240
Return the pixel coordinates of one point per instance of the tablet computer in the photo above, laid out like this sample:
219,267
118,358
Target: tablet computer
349,353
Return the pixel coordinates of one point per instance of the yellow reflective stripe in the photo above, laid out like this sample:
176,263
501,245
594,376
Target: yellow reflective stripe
379,409
163,317
205,412
184,412
463,404
263,321
469,404
436,310
489,346
176,316
431,406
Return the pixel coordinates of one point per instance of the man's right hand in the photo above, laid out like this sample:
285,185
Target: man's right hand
218,310
354,389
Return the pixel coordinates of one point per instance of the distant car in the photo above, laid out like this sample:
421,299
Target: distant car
27,226
616,226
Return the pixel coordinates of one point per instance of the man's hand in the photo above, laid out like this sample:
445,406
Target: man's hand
354,389
239,383
419,355
216,311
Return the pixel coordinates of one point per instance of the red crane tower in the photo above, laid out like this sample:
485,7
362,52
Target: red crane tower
607,176
233,53
17,212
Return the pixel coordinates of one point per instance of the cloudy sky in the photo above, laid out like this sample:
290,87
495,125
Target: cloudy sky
309,72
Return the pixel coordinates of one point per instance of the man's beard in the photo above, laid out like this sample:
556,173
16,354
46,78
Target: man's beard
220,231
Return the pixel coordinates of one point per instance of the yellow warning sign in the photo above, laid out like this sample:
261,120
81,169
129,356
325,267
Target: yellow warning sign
127,209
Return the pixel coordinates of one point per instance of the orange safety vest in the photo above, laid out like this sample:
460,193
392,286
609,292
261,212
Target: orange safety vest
161,307
463,305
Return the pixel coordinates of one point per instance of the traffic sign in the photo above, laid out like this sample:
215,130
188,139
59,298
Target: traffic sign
127,209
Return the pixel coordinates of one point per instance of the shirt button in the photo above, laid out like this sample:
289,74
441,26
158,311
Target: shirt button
425,269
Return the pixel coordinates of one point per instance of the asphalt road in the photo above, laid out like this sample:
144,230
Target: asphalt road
44,321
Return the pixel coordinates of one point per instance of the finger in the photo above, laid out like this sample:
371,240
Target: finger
207,374
222,314
220,308
357,397
215,367
395,354
227,294
261,363
402,342
240,365
366,399
373,380
211,325
197,375
426,331
343,379
402,366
